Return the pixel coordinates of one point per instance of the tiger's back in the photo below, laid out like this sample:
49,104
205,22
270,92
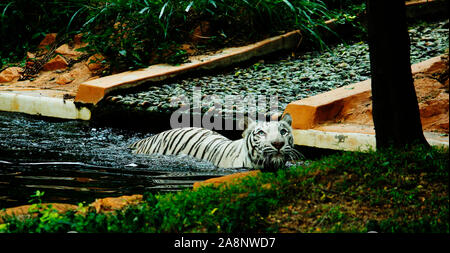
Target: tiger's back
200,143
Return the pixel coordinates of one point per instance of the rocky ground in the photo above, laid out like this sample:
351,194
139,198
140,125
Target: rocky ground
289,78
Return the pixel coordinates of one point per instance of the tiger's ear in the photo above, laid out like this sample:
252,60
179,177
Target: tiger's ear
287,118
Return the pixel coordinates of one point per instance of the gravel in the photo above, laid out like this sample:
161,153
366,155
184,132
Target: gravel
289,78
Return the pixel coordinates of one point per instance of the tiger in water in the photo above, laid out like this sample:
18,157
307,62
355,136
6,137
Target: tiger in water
265,145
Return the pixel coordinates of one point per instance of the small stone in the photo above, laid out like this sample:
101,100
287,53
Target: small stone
66,51
48,40
145,104
58,62
115,99
64,79
30,55
343,65
10,74
95,62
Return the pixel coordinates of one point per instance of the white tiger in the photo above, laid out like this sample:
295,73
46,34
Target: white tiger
265,145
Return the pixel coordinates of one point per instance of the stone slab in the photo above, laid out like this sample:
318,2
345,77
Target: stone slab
91,92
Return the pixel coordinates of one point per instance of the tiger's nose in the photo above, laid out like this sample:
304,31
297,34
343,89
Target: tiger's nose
278,145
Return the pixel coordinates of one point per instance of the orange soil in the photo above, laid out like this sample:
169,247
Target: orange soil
77,74
432,94
59,76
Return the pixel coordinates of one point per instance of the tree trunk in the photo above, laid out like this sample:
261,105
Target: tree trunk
395,109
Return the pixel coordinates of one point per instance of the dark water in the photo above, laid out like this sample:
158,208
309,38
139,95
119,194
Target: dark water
74,161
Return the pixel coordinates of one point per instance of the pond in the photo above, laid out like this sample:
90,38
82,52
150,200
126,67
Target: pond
76,161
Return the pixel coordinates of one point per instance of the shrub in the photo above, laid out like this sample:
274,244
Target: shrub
136,33
132,33
23,23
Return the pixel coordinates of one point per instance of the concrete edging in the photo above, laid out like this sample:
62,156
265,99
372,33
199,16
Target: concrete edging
361,142
43,106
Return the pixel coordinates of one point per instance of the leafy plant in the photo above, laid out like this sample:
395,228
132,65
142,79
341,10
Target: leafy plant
23,23
133,33
37,197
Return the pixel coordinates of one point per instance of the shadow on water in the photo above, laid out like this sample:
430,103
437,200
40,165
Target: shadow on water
75,161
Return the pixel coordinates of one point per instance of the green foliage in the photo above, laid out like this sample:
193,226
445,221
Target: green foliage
37,197
23,23
409,185
135,33
373,180
349,12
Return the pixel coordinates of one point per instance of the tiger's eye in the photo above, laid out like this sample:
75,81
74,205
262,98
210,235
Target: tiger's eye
261,133
283,131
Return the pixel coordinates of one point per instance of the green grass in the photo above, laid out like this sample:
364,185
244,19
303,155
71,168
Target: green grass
388,191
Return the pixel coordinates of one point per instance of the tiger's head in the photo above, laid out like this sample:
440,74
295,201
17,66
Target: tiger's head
270,144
